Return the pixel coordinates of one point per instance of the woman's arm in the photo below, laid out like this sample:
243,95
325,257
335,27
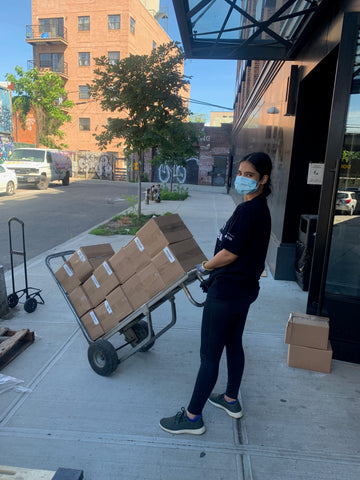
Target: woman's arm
222,258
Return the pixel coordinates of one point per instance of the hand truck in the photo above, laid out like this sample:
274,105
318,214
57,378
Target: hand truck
102,354
31,301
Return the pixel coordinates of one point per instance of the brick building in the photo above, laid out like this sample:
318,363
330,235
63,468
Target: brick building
67,35
214,155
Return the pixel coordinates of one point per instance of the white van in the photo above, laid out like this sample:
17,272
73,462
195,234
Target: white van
40,166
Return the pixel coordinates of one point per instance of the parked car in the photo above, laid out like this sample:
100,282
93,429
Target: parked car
346,202
8,181
357,196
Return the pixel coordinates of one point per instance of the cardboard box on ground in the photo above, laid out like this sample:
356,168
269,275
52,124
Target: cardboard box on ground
308,339
106,286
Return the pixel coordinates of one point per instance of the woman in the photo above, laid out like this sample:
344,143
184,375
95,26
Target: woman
232,286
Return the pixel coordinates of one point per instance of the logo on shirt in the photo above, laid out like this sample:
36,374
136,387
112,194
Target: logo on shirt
229,237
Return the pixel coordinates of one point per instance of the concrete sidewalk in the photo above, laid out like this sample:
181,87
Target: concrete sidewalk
297,424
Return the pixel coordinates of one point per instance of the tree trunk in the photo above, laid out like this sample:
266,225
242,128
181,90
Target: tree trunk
172,177
141,159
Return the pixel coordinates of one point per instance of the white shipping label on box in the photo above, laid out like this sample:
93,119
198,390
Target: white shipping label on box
108,308
107,268
94,318
96,283
139,244
68,270
81,256
169,255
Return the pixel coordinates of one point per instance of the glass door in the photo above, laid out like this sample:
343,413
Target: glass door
334,289
343,276
341,300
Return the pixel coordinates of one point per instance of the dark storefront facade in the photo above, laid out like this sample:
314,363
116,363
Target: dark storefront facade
304,110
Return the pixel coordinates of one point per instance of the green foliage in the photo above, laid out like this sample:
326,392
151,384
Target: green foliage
179,193
144,91
198,118
144,177
132,201
123,224
43,93
179,141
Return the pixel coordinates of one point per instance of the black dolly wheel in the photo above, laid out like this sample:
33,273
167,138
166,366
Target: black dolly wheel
30,305
141,330
102,357
13,300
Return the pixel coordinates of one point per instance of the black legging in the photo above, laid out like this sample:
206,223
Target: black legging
223,324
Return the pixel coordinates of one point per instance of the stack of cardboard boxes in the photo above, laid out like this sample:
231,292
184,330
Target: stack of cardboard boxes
308,339
104,287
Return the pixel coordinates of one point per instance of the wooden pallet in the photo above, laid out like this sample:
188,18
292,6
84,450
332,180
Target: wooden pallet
12,343
17,473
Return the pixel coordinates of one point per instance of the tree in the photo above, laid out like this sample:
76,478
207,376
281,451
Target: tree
198,118
43,93
145,91
178,143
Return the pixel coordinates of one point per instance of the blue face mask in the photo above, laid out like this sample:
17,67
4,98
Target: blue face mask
245,185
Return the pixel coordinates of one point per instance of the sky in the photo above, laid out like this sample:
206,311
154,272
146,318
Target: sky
213,81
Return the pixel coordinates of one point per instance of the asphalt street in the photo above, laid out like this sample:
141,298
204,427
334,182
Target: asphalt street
57,214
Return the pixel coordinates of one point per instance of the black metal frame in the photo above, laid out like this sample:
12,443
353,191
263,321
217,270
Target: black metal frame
337,124
251,48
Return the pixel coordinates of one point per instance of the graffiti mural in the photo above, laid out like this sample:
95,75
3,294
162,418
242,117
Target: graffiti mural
188,174
5,111
95,165
6,147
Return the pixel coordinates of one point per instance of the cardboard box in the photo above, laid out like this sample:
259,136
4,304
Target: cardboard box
177,259
307,330
92,325
143,286
80,301
135,292
159,232
129,259
308,358
114,309
101,282
86,259
67,277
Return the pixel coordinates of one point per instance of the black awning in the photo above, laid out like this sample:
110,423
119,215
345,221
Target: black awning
242,29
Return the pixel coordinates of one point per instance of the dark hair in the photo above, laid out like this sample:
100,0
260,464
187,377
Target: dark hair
263,165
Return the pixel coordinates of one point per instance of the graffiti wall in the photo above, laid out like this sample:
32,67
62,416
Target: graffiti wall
95,165
6,147
188,174
5,111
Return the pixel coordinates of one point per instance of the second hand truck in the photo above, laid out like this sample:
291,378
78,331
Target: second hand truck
139,333
31,299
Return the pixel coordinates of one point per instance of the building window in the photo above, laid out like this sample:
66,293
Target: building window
51,27
83,24
114,22
84,92
52,61
84,124
132,25
154,45
113,57
84,59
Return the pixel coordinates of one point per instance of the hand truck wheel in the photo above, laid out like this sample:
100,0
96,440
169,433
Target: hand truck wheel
102,357
30,305
13,300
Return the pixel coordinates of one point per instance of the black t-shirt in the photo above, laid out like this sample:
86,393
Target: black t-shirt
246,234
